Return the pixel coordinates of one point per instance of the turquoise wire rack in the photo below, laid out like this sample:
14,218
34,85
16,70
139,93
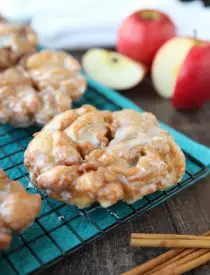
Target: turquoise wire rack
61,229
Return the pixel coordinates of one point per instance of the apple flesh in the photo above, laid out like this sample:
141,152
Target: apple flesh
112,69
181,71
143,33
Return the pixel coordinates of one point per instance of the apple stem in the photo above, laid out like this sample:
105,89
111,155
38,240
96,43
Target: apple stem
195,34
150,15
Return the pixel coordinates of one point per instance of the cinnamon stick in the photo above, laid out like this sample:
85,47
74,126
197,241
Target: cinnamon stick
161,261
168,236
141,269
170,243
192,264
169,269
182,254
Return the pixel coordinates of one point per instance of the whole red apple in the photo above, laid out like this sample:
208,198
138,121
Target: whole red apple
142,34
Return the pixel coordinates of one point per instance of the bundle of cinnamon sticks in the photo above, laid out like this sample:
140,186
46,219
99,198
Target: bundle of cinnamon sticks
189,252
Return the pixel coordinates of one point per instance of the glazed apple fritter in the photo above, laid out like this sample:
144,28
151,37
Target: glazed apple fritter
18,208
85,155
43,85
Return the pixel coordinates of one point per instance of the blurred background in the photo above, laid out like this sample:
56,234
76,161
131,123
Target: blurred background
167,40
82,24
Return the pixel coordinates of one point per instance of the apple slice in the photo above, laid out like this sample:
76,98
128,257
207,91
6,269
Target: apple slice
113,69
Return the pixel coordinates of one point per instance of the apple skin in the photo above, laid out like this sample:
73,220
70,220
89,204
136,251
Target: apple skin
140,38
192,87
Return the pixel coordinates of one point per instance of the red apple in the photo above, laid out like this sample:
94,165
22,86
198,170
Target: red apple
142,34
181,71
192,87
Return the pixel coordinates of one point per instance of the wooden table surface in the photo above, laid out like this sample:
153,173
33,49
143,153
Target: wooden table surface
188,212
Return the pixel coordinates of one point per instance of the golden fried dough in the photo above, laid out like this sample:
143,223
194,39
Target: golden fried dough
16,41
43,85
18,208
85,155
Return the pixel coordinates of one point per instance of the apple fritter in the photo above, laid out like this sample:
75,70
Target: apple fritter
85,155
18,208
16,41
43,85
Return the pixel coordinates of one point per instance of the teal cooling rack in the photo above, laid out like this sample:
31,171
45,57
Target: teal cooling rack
61,229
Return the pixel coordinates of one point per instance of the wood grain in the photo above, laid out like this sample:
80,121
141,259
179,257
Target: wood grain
188,212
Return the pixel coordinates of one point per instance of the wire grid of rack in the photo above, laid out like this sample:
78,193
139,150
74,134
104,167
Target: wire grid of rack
61,229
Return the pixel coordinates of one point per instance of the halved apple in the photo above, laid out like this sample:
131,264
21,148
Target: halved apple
113,69
181,71
167,63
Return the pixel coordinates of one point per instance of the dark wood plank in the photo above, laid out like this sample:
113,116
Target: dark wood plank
188,212
191,214
112,254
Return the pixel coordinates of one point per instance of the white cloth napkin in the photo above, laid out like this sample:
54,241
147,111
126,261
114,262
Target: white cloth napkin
90,23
